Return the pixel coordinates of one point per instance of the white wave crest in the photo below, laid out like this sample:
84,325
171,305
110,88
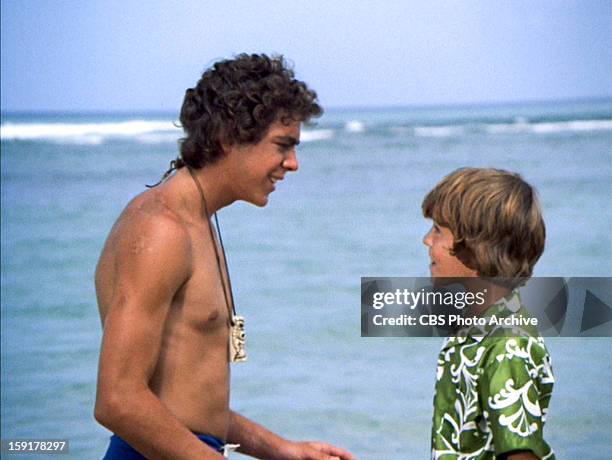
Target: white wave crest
438,131
354,126
575,126
550,127
86,132
158,138
144,131
316,135
520,126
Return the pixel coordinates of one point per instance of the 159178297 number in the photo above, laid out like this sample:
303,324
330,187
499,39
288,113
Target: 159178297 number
35,445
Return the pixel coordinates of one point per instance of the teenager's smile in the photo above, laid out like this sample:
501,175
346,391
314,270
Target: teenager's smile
275,179
261,166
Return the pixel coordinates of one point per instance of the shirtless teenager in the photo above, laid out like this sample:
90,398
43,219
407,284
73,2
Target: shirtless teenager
162,285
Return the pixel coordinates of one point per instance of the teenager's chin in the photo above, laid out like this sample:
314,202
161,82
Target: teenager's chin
260,202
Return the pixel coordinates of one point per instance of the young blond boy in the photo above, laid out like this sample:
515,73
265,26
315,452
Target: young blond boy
492,389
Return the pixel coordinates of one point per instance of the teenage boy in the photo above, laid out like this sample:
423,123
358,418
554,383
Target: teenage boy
162,282
493,385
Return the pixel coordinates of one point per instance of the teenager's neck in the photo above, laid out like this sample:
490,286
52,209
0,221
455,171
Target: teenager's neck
212,179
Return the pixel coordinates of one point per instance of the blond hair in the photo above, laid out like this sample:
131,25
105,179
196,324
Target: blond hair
495,218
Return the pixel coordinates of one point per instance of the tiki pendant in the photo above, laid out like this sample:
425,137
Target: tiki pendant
237,341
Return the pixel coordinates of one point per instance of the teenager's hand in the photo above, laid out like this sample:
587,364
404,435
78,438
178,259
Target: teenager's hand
311,450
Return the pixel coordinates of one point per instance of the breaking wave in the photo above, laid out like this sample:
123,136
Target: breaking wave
143,131
165,132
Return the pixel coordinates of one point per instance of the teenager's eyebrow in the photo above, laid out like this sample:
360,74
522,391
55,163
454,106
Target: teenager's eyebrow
289,140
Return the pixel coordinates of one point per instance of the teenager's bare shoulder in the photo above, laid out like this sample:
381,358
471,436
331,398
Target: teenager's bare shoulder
149,222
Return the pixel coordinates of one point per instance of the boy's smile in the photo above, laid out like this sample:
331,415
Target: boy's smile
440,242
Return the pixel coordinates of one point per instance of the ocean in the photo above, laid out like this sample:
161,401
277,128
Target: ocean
352,210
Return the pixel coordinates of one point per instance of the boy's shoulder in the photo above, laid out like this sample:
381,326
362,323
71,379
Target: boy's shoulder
513,340
524,351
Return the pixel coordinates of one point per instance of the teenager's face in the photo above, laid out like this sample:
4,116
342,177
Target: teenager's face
259,167
440,240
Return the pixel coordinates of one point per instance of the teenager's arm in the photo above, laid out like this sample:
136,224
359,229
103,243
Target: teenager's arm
153,262
259,442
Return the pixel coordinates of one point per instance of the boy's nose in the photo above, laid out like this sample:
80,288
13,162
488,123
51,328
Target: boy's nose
291,162
427,239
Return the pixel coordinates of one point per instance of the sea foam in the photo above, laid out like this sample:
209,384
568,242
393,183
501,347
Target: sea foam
71,132
354,126
143,131
316,135
519,126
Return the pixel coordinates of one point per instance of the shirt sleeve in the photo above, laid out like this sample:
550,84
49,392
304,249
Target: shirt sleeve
516,384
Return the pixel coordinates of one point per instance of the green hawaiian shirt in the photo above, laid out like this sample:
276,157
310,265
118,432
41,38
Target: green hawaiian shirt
493,386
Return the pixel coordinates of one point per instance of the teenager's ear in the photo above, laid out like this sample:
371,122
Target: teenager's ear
226,148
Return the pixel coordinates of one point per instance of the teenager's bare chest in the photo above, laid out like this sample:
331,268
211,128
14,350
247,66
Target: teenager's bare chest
202,298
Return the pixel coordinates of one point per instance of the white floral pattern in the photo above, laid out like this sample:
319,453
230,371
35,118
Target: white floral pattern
492,391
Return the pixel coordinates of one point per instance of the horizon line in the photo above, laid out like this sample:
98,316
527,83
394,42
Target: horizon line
374,107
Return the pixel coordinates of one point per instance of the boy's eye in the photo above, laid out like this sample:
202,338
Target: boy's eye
284,147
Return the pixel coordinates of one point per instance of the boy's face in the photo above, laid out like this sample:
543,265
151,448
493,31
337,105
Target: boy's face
440,241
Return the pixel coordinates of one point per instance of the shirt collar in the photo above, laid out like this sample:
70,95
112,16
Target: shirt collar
503,308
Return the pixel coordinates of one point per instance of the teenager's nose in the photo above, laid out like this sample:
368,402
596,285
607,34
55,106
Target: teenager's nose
291,162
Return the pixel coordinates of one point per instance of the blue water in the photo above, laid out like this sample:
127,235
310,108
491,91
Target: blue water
352,210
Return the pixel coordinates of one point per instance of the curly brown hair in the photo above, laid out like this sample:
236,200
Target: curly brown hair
495,218
236,101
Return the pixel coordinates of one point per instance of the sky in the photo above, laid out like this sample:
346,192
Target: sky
137,56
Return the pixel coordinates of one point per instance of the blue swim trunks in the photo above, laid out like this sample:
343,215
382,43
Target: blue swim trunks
121,450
